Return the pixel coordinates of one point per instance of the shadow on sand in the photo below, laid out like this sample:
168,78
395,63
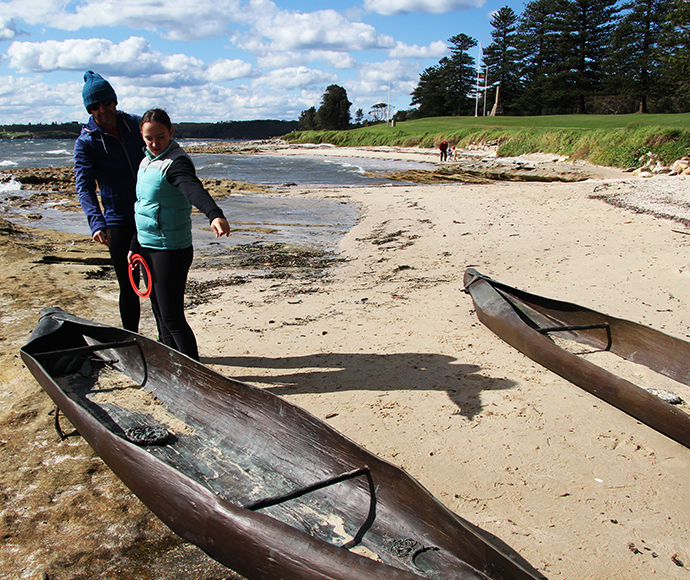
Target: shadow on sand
326,373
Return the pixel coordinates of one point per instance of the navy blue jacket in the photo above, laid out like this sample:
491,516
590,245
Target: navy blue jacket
112,162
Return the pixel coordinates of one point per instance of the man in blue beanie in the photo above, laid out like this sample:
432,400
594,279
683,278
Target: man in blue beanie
107,154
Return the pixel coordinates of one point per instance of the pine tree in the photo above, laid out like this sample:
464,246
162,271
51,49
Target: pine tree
431,92
501,58
637,50
544,72
567,56
444,89
676,57
588,26
461,75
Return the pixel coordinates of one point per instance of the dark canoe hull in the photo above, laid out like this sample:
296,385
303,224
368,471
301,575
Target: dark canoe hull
525,320
258,483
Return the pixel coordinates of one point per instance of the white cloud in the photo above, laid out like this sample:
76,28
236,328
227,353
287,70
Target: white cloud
229,70
290,56
175,19
335,59
284,59
389,7
323,31
434,50
189,21
372,84
76,54
214,103
30,11
26,99
296,78
31,99
131,58
8,29
178,19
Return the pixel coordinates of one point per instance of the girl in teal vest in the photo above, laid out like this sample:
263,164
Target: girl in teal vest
167,188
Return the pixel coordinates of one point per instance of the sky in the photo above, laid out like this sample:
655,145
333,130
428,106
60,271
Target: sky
225,60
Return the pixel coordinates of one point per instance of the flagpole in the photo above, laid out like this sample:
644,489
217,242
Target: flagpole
486,79
479,68
388,108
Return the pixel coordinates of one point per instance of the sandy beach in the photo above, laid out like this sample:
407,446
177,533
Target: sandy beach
387,349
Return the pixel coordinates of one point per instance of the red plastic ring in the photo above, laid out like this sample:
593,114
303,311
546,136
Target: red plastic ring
135,261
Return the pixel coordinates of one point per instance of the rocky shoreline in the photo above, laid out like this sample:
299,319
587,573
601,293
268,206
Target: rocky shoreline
56,185
61,179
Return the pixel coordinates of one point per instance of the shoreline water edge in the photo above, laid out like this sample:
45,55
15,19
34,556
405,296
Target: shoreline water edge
383,344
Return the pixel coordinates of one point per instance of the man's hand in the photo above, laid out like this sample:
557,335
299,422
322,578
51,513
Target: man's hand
102,237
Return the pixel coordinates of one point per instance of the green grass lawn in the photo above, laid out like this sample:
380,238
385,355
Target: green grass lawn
613,140
548,122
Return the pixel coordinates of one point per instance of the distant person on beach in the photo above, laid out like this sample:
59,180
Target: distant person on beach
167,188
444,150
107,154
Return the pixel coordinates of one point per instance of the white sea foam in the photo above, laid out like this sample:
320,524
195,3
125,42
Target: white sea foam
10,186
8,163
346,165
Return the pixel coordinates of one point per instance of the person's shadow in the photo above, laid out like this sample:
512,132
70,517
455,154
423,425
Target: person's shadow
326,373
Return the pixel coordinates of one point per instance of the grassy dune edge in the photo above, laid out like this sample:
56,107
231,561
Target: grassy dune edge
611,140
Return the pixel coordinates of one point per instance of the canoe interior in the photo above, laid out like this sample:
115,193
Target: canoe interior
664,354
541,328
256,451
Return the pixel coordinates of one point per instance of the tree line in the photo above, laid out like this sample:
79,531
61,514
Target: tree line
237,130
556,57
565,57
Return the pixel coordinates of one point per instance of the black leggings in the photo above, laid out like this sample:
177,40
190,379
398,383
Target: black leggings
130,310
169,270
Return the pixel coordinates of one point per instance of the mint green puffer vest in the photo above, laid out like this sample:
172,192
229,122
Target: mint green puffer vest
161,212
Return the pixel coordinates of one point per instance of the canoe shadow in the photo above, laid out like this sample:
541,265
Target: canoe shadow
332,372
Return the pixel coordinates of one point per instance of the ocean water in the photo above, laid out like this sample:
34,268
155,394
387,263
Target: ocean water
264,169
316,223
20,153
300,170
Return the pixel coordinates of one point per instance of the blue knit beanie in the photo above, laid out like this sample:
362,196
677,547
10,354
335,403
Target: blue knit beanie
96,89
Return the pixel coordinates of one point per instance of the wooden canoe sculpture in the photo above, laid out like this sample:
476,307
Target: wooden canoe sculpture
527,321
259,484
